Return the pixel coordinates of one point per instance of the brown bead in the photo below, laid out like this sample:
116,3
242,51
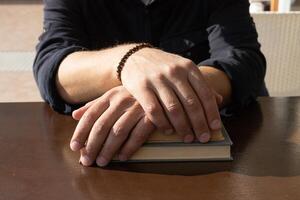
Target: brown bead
128,54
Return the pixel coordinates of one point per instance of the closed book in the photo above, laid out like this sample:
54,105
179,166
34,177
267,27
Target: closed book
166,148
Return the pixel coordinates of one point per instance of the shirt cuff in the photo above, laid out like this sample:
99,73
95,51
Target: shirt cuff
47,80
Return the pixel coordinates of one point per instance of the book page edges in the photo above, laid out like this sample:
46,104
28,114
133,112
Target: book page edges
174,153
158,137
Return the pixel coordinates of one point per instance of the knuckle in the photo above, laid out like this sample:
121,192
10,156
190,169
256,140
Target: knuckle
157,77
191,103
100,127
174,70
119,131
173,108
188,63
152,109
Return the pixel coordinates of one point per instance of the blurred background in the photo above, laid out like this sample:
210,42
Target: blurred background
277,21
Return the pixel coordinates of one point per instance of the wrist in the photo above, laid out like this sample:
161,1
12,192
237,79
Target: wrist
134,61
128,54
218,81
115,54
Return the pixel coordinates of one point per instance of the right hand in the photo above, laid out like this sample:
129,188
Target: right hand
173,93
114,123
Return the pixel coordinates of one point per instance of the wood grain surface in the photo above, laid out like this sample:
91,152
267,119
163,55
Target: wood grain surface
36,162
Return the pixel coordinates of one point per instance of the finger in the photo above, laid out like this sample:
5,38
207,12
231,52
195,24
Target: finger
218,97
207,99
77,114
138,136
174,111
98,134
154,111
193,109
121,129
86,123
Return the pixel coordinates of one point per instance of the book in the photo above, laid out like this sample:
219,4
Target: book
166,148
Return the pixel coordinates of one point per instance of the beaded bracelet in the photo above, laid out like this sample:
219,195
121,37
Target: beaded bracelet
128,54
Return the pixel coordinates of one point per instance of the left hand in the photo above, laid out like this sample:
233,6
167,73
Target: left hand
113,124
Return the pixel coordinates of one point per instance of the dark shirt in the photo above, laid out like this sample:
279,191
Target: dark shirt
218,33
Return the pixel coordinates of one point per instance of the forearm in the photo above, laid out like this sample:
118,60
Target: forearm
83,76
219,81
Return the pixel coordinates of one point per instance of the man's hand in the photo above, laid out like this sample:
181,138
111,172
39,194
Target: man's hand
113,124
173,93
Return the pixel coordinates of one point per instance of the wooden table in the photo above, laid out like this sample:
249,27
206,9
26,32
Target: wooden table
36,162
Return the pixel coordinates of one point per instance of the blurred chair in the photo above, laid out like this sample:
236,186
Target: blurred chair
279,35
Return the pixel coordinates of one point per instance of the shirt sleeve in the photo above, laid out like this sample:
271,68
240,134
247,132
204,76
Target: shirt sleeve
63,34
235,50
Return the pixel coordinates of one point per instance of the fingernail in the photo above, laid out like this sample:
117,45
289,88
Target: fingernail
122,157
188,138
75,146
85,160
169,132
101,161
216,124
204,137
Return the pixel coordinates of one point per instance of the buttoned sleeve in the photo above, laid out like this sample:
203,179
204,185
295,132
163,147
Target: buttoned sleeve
234,48
63,34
